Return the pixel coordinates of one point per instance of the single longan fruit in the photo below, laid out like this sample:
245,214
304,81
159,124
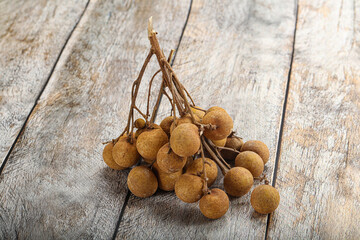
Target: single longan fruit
166,180
108,158
200,114
168,161
166,123
215,204
142,182
189,188
211,169
220,143
182,120
223,123
265,199
234,143
149,142
215,108
238,181
139,123
257,146
251,161
125,153
185,140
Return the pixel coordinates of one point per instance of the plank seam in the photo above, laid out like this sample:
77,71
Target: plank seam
41,91
172,62
278,150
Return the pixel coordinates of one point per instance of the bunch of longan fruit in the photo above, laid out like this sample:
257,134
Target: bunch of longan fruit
183,153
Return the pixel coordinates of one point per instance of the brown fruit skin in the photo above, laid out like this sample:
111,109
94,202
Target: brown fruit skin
188,188
234,143
215,108
251,161
182,120
215,204
142,182
125,154
169,162
139,123
223,123
166,180
238,181
166,123
185,140
108,159
220,143
200,114
257,146
197,166
149,142
265,199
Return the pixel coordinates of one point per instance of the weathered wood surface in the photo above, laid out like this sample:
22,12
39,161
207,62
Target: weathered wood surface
32,35
55,184
234,54
318,174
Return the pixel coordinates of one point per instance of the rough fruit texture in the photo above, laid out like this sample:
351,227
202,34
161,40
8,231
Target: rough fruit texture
182,120
215,108
234,143
238,181
220,143
259,147
251,161
200,114
139,123
211,169
149,142
166,180
166,124
185,140
215,204
265,199
108,159
221,120
188,188
142,182
168,161
125,154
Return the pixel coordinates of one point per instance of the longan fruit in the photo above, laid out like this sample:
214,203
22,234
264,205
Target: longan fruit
215,108
166,180
168,161
234,143
219,143
149,142
257,146
139,123
185,140
182,120
108,159
265,199
211,170
251,161
215,204
238,181
188,188
125,153
166,123
142,182
197,112
221,120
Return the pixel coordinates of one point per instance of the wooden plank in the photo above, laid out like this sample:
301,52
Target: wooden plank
32,35
318,175
234,54
55,183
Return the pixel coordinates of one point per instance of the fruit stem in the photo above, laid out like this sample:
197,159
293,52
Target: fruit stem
218,153
224,169
149,93
229,149
205,187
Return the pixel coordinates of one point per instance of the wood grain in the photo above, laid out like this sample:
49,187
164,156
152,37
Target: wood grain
318,175
234,54
55,183
32,34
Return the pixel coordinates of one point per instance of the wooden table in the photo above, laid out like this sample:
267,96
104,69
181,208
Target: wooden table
288,73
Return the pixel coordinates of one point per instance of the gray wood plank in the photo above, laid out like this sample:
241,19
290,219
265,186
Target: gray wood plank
234,54
55,183
319,167
32,35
